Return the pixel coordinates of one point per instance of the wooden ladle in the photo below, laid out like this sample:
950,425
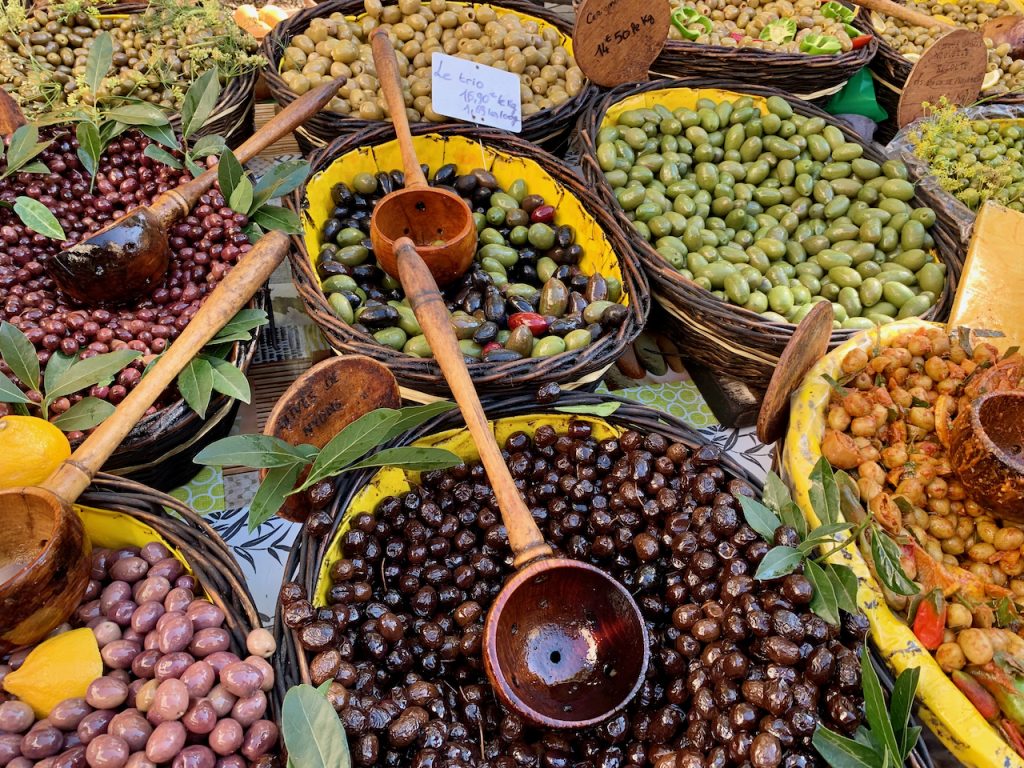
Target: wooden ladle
44,554
1002,29
438,221
903,13
128,258
565,645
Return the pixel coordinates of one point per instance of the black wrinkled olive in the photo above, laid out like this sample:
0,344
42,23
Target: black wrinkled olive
379,316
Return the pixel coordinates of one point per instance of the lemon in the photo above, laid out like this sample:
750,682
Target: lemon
991,78
56,669
31,449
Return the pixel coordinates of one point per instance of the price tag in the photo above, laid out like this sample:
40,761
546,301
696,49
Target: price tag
953,67
476,93
616,41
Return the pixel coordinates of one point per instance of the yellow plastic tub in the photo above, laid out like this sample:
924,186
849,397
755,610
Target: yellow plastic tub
943,708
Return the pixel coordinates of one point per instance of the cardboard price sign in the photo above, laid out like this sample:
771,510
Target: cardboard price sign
616,41
953,67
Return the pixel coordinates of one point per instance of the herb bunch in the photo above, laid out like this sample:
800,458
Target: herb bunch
349,450
67,375
835,584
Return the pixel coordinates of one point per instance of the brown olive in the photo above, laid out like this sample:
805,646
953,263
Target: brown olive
241,679
226,737
131,727
166,741
170,702
106,751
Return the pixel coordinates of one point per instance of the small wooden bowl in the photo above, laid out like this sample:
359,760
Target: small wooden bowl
987,451
44,564
425,215
322,402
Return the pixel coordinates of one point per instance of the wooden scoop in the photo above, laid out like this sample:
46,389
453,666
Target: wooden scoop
806,346
128,258
565,645
11,117
903,13
439,222
1006,29
44,555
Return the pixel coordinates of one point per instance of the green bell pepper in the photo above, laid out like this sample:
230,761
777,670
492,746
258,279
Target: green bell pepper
820,45
779,31
837,11
685,19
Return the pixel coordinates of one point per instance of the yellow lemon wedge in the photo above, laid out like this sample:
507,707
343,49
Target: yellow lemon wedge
57,669
991,78
34,447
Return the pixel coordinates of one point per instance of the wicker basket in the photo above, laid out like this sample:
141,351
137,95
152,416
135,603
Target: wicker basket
805,76
309,554
607,242
232,116
722,336
549,128
207,555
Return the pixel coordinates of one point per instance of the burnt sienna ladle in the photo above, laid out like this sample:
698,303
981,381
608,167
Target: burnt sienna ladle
439,222
564,645
128,258
44,554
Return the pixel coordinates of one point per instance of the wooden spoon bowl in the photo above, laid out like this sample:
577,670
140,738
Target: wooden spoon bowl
439,222
565,644
44,565
987,452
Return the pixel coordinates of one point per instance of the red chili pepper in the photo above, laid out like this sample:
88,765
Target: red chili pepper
1013,735
982,700
1001,685
543,214
489,346
536,323
861,40
930,619
736,36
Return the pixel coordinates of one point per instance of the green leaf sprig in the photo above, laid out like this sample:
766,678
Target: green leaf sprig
252,199
65,375
347,451
22,152
312,732
210,371
198,105
835,584
889,737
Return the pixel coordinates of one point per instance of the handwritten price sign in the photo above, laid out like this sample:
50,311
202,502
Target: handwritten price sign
476,93
616,41
953,67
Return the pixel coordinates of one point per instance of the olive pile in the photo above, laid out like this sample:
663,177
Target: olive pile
336,46
740,24
773,211
204,247
911,40
42,60
740,672
975,160
172,693
523,296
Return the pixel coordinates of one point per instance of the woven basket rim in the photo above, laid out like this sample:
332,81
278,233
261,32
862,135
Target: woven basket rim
424,371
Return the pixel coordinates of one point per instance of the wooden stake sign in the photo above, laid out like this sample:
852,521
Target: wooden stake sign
616,41
953,67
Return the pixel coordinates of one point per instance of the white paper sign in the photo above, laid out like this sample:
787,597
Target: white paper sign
476,93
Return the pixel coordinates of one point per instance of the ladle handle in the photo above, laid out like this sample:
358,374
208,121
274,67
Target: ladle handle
177,202
902,12
523,534
232,294
391,83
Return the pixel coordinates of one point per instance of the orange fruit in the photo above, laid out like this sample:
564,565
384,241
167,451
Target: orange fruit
56,669
32,448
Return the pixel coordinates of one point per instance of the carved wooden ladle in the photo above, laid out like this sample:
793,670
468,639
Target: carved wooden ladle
565,645
438,221
128,258
44,554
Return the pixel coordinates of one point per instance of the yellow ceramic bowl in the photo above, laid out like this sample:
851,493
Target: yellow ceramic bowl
943,708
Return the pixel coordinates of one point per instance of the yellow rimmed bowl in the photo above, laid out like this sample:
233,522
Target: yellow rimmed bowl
722,336
943,708
606,250
548,127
